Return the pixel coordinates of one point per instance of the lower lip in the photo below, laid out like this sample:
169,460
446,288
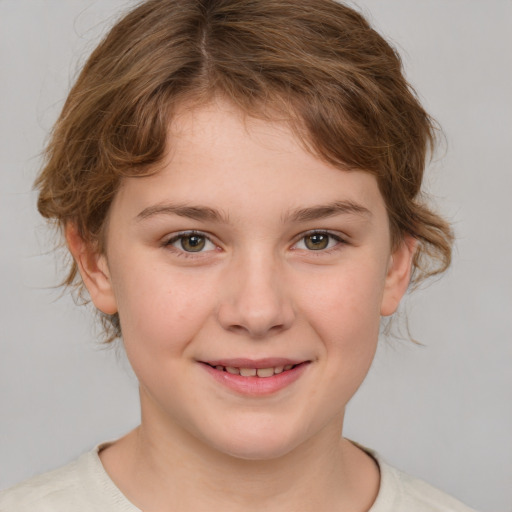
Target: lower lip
257,386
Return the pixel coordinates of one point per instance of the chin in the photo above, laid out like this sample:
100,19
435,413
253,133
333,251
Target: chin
265,443
258,451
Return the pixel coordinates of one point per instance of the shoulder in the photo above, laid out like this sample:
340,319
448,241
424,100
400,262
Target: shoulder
82,486
400,492
54,491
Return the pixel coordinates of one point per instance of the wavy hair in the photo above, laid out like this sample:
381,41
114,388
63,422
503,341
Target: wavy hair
317,64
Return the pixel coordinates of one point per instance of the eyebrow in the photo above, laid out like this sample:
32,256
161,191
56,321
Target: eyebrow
203,213
191,212
328,210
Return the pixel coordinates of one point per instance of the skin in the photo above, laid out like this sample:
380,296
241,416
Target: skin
256,290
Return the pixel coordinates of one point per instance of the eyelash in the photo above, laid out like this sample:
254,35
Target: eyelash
319,252
184,235
194,254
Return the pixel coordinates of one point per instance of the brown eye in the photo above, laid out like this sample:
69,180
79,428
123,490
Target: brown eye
192,243
316,241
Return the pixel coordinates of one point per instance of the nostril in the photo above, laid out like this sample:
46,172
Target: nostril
257,332
237,328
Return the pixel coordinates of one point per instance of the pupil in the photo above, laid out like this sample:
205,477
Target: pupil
193,243
317,242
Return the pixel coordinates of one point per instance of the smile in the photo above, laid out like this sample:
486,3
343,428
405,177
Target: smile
256,378
254,372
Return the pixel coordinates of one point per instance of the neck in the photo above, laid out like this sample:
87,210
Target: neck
155,465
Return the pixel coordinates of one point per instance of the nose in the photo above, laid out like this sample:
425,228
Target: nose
255,300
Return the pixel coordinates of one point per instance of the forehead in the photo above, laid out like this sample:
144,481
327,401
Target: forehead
218,157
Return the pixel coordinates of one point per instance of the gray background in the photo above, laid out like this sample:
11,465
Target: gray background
441,411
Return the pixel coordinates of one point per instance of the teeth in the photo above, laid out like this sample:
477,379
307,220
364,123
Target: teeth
248,372
253,372
265,372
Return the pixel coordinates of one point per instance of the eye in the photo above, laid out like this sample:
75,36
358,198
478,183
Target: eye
318,241
191,242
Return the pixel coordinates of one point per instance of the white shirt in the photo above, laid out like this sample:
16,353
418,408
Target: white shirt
84,486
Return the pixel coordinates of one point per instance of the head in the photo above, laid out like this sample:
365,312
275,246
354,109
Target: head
316,66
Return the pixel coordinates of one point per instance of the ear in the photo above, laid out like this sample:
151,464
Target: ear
398,275
93,269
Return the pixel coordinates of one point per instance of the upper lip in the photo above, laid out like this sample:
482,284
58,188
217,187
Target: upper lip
242,362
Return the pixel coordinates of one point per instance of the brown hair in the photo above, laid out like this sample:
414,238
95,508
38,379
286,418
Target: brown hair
318,63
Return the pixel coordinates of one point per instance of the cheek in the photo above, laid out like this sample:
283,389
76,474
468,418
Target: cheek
345,302
159,309
343,312
343,309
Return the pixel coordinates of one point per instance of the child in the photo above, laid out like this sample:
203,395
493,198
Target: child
238,182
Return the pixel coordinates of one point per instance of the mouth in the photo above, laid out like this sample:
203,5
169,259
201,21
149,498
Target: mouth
251,371
256,377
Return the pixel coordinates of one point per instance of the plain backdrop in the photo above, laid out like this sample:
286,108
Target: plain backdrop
441,411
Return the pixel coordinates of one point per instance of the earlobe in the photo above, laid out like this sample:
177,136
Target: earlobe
398,275
94,270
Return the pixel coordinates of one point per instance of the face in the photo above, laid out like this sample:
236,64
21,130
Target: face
250,278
